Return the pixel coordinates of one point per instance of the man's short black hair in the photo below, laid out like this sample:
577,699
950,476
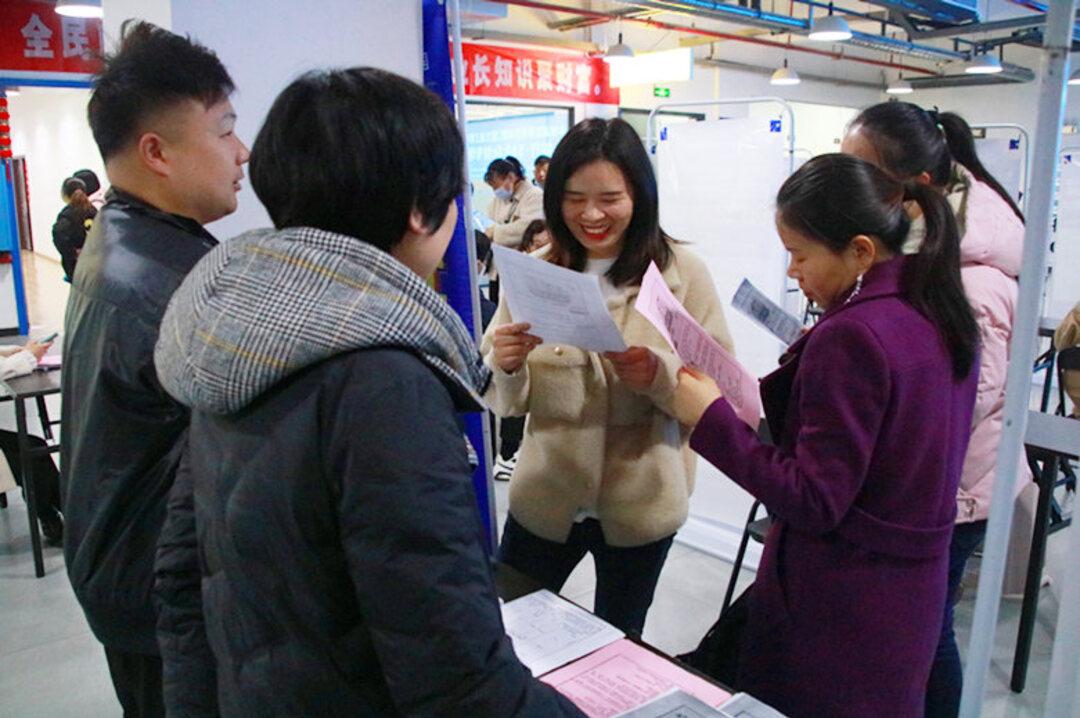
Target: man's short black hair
152,70
354,152
541,160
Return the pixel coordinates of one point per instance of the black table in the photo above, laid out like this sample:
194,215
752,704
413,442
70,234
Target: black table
36,385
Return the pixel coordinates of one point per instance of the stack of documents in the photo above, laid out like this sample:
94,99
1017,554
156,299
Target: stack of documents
624,676
548,631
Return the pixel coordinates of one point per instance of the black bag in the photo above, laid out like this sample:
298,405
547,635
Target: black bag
717,656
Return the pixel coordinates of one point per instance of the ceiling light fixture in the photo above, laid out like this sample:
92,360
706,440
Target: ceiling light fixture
900,87
831,28
619,51
784,76
79,8
984,64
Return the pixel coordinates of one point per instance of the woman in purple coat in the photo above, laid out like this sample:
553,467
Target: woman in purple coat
872,413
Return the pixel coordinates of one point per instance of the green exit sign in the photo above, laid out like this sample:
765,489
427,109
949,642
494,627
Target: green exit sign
661,92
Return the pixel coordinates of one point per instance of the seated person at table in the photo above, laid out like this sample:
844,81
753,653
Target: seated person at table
16,362
871,411
343,565
1066,336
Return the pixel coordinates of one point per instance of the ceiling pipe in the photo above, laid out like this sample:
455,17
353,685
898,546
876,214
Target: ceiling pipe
656,24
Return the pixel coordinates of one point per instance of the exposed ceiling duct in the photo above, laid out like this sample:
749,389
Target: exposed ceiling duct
947,12
1010,74
737,14
716,34
903,47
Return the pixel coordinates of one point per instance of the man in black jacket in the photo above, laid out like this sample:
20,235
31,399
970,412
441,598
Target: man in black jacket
161,117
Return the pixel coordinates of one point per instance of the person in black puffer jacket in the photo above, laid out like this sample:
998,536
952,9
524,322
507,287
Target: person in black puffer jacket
72,224
325,516
161,116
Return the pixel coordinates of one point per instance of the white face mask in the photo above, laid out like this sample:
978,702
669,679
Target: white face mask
504,194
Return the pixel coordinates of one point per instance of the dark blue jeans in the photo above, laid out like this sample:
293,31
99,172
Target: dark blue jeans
625,577
947,674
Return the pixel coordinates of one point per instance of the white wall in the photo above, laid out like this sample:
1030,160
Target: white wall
48,127
266,45
115,12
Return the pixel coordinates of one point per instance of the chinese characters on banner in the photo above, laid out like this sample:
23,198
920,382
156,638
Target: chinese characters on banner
528,74
34,38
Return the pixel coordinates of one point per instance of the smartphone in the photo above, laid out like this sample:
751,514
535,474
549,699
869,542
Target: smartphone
46,340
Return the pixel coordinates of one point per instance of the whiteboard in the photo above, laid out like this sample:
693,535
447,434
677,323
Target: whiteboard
1004,160
718,181
1063,290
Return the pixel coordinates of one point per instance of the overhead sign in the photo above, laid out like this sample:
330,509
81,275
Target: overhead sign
527,74
37,42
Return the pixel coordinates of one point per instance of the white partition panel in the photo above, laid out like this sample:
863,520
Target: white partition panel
718,182
1003,158
1062,290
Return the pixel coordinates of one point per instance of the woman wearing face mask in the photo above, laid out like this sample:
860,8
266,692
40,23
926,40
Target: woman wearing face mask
604,467
871,411
517,202
938,150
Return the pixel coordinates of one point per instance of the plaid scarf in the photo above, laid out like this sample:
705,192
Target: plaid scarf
267,304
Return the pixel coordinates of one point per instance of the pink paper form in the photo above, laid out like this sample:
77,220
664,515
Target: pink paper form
623,675
696,347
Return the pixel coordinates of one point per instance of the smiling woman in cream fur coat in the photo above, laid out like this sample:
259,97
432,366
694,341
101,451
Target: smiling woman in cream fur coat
604,467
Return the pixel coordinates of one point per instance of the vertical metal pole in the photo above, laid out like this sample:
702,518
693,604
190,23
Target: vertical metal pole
1052,78
477,327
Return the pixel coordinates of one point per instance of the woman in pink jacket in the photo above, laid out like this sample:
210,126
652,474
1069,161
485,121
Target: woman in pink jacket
938,149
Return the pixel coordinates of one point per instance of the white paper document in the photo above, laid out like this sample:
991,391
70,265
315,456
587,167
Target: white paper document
561,305
753,303
674,704
744,705
696,347
548,631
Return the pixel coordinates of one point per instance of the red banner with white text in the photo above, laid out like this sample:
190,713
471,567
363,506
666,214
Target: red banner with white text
527,74
34,38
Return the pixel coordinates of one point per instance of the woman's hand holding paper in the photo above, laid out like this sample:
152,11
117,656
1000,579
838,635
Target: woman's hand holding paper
512,344
695,393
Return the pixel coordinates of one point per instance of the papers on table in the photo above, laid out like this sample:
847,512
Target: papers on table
674,704
563,306
623,676
744,705
548,631
696,347
750,301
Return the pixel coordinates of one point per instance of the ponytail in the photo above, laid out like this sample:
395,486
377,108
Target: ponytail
80,200
932,278
962,148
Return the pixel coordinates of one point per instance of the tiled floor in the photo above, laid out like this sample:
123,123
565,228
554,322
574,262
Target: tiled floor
51,666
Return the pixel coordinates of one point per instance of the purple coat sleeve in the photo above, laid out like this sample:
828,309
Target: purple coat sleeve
843,391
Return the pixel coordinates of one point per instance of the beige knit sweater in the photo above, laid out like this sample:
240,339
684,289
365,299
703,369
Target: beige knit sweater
593,444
